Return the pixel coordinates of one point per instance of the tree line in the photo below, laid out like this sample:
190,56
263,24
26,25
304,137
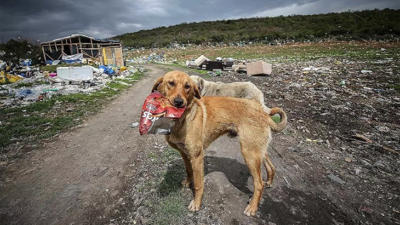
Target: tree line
350,25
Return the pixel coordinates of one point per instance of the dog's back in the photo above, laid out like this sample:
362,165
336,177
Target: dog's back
239,116
235,89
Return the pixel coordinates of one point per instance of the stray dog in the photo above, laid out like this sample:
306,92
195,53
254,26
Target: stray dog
236,89
207,118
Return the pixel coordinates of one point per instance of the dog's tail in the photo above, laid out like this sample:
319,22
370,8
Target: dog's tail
278,127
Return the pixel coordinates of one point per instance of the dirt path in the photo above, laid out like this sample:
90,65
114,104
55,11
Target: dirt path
105,173
76,178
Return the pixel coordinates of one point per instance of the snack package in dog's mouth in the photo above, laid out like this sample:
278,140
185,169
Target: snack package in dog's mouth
158,115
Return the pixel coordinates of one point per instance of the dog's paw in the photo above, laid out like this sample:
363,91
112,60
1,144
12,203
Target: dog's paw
250,210
186,183
194,206
267,184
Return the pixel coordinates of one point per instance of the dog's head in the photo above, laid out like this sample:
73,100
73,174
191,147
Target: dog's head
199,82
178,88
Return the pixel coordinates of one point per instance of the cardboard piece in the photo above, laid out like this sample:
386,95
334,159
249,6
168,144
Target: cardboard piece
259,68
199,61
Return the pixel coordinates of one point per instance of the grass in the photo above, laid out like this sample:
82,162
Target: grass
170,210
44,119
171,203
276,119
395,87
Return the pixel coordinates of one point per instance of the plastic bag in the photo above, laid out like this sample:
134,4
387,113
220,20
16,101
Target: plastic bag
158,115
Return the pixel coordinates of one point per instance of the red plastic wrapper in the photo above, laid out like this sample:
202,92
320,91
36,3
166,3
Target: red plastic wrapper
158,115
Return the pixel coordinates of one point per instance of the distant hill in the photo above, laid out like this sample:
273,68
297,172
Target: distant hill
351,25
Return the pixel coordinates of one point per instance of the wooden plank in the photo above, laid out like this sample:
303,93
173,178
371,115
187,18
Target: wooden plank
119,58
44,54
91,43
62,47
80,44
70,46
91,48
49,56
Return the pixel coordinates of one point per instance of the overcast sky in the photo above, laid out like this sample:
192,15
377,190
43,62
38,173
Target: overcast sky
46,20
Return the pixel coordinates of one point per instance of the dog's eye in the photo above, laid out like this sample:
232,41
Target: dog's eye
187,86
171,83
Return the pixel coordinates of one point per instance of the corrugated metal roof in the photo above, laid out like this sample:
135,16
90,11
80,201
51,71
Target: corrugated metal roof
81,35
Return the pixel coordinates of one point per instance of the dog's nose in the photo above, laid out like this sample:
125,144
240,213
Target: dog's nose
178,102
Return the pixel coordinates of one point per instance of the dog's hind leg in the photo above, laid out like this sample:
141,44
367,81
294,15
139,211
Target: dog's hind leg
270,170
252,157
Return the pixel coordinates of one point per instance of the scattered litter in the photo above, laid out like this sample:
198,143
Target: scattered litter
135,124
349,160
336,179
365,209
390,150
382,129
310,140
366,71
68,80
287,182
361,137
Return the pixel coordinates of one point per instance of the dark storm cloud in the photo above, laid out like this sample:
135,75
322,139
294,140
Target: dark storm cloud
49,19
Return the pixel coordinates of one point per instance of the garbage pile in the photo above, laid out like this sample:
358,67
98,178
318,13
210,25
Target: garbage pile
17,90
230,64
13,72
153,57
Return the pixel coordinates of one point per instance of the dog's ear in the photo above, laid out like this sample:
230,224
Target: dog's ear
200,84
196,92
158,82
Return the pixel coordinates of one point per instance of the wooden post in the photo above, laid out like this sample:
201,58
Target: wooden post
70,45
91,51
55,43
62,47
44,54
80,44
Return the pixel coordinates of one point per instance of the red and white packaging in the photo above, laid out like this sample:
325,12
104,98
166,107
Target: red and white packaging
158,115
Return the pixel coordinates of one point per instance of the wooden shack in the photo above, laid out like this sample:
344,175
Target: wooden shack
104,51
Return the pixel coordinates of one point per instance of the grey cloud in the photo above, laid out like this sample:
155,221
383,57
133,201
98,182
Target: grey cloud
48,19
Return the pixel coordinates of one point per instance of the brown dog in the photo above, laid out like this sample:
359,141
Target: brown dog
206,119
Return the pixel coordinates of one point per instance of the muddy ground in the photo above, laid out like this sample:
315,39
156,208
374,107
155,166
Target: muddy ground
337,161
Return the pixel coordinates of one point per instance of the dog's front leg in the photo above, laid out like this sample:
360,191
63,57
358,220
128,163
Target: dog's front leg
186,161
189,171
197,162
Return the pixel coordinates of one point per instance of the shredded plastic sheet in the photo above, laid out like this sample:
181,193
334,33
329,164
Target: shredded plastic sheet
158,115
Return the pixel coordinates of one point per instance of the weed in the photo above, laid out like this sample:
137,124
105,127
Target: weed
394,86
276,119
170,210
